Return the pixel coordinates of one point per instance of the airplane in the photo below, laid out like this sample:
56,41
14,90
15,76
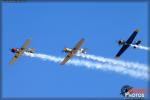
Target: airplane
67,50
19,51
72,52
127,43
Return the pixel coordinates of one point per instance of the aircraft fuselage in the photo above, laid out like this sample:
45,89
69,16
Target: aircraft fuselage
67,50
15,50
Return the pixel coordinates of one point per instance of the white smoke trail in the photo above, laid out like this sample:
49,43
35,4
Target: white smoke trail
141,47
130,65
93,65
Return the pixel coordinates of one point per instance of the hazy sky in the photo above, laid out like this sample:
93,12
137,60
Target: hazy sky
55,25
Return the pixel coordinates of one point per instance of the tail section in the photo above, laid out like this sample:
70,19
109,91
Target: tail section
137,43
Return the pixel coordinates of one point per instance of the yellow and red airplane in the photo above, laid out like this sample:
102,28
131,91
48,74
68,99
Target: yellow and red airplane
19,51
72,52
67,50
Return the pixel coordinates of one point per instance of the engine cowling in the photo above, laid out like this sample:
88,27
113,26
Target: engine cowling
121,42
14,50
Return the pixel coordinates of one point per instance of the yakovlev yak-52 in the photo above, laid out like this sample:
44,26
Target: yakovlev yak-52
72,52
19,51
127,43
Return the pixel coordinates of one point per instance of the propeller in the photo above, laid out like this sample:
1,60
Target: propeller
117,42
9,49
63,49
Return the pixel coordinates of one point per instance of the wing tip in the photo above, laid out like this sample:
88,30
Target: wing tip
10,63
117,57
29,39
137,30
61,63
82,39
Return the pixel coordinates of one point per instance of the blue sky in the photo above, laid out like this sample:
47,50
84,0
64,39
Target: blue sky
53,26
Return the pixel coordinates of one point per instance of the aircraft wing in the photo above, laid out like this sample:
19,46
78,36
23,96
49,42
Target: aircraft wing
27,42
66,58
17,55
20,52
131,38
74,50
77,46
124,47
